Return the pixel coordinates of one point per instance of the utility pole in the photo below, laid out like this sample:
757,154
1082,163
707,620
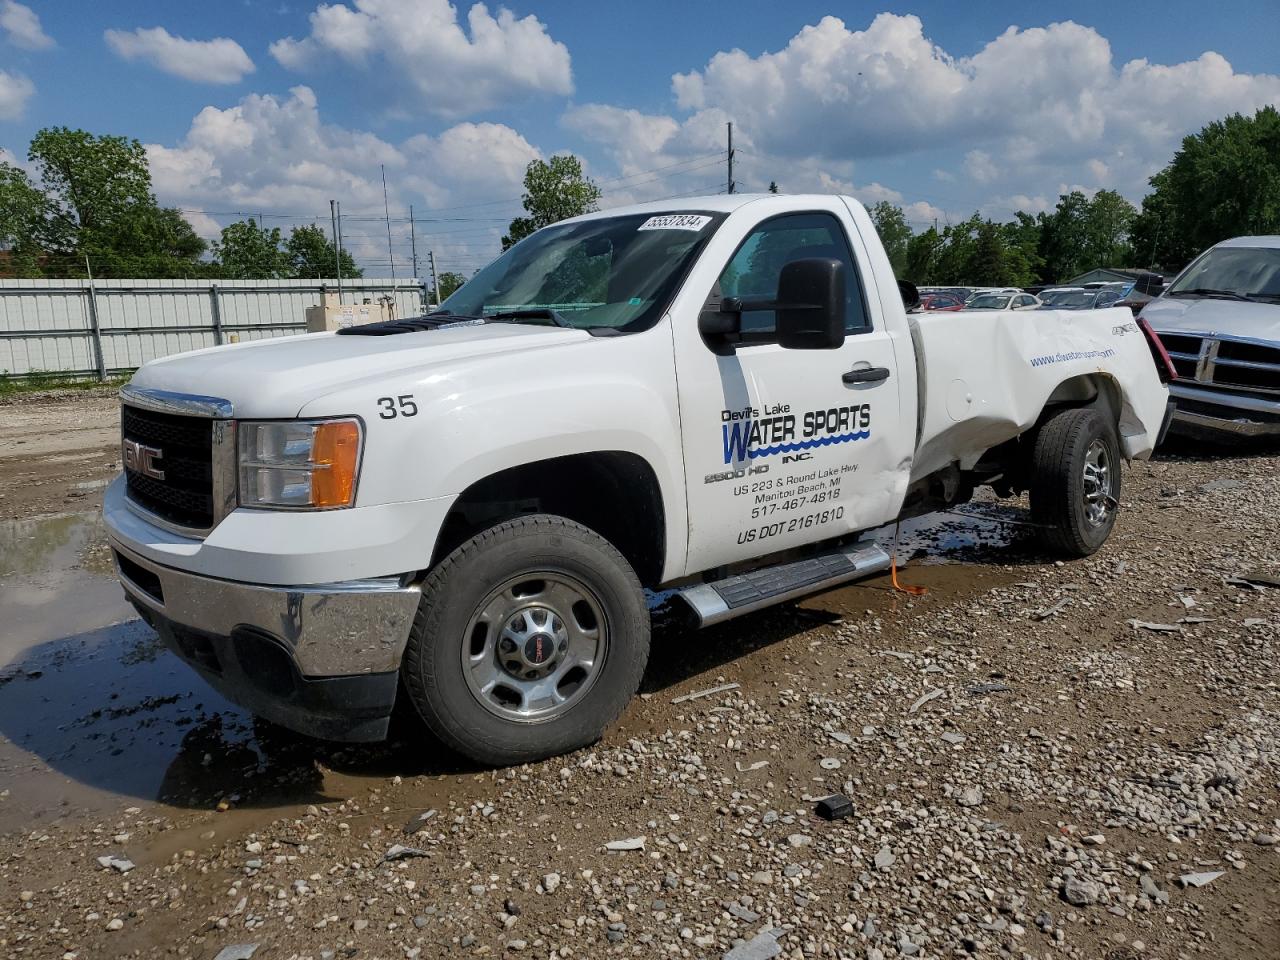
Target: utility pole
339,246
386,209
732,185
413,248
435,280
337,249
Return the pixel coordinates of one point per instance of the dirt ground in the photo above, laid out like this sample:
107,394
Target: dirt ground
1044,760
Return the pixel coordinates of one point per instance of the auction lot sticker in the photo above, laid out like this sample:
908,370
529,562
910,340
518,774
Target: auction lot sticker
676,221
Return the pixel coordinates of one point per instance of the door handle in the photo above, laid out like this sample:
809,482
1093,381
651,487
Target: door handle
866,375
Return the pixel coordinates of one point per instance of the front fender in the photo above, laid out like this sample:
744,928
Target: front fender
487,414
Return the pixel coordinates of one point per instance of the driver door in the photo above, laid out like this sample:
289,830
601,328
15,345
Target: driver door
785,447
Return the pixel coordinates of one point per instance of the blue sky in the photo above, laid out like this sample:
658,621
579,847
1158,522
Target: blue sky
274,107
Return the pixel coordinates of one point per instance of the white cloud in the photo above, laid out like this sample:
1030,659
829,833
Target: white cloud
21,26
450,70
273,155
15,91
1045,103
979,165
220,60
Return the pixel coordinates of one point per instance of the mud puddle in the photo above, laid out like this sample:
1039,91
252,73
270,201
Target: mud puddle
95,714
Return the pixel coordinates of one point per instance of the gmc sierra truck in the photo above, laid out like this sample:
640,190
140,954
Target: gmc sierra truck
716,396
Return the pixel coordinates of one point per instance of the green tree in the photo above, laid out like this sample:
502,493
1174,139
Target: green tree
773,186
895,234
24,213
1083,234
310,254
96,203
554,190
249,252
923,253
449,282
149,241
1223,182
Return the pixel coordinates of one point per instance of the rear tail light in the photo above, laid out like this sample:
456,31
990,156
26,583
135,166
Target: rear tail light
1164,365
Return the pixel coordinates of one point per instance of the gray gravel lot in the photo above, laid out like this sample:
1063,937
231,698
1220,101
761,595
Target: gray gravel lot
1044,760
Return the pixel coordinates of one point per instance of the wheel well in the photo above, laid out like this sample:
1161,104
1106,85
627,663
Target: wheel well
1011,460
616,494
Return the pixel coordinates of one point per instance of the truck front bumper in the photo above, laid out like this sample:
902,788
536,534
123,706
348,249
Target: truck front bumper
321,659
1218,415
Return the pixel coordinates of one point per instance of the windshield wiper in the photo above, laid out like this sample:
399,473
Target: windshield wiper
533,313
1210,292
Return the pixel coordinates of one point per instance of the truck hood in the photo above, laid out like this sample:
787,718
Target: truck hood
1232,318
278,377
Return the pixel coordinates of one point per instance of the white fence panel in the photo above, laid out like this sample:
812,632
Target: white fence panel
113,326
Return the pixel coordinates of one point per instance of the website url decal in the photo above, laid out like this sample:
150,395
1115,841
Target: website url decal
1073,355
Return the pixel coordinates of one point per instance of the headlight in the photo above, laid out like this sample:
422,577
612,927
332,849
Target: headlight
309,465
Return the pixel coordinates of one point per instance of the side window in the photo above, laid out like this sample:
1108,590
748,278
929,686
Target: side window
753,271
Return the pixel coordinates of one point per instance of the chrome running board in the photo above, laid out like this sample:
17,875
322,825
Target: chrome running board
731,597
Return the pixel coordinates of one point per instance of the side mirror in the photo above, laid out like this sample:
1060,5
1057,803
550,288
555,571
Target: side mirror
810,305
910,295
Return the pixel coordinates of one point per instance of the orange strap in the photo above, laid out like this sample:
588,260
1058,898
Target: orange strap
893,570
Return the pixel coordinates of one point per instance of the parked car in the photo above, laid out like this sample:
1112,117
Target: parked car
1004,301
1220,322
941,302
983,291
1051,295
1080,300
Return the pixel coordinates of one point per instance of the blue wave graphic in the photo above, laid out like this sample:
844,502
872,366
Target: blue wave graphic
807,444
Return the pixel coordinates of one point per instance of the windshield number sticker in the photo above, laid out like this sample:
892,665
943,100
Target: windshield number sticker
676,221
401,406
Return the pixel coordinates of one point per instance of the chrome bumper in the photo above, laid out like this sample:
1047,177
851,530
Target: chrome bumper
1214,411
321,659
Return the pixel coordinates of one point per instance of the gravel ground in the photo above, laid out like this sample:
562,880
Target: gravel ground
1044,760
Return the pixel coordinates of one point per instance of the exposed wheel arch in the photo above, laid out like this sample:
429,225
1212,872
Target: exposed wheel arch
615,493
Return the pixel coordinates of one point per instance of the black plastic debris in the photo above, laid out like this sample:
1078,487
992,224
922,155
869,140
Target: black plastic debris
835,807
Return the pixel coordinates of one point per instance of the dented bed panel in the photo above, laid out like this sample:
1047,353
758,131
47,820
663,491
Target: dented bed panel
988,376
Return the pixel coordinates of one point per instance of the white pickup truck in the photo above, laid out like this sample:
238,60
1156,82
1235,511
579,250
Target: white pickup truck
716,396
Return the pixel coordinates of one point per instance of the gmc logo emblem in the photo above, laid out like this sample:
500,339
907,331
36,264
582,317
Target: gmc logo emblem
141,459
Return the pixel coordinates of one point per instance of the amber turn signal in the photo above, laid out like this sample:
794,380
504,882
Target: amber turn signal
335,456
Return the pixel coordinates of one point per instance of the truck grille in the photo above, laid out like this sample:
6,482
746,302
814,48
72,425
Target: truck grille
1233,366
184,495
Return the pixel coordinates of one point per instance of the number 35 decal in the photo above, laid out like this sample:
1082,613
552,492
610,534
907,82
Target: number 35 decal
401,406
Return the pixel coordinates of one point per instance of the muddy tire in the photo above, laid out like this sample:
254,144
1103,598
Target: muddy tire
1075,481
529,641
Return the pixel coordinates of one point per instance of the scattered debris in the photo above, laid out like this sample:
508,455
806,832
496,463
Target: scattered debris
839,736
1048,612
829,763
835,807
751,767
969,797
711,692
1200,879
399,851
619,846
931,695
982,689
763,946
1155,627
418,822
884,858
954,739
551,883
1221,485
1259,578
237,951
112,862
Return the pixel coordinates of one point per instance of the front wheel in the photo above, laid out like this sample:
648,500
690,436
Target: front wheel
1075,481
529,641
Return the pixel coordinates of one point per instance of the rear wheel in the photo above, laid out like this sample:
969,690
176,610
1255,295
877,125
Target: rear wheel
529,641
1075,481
